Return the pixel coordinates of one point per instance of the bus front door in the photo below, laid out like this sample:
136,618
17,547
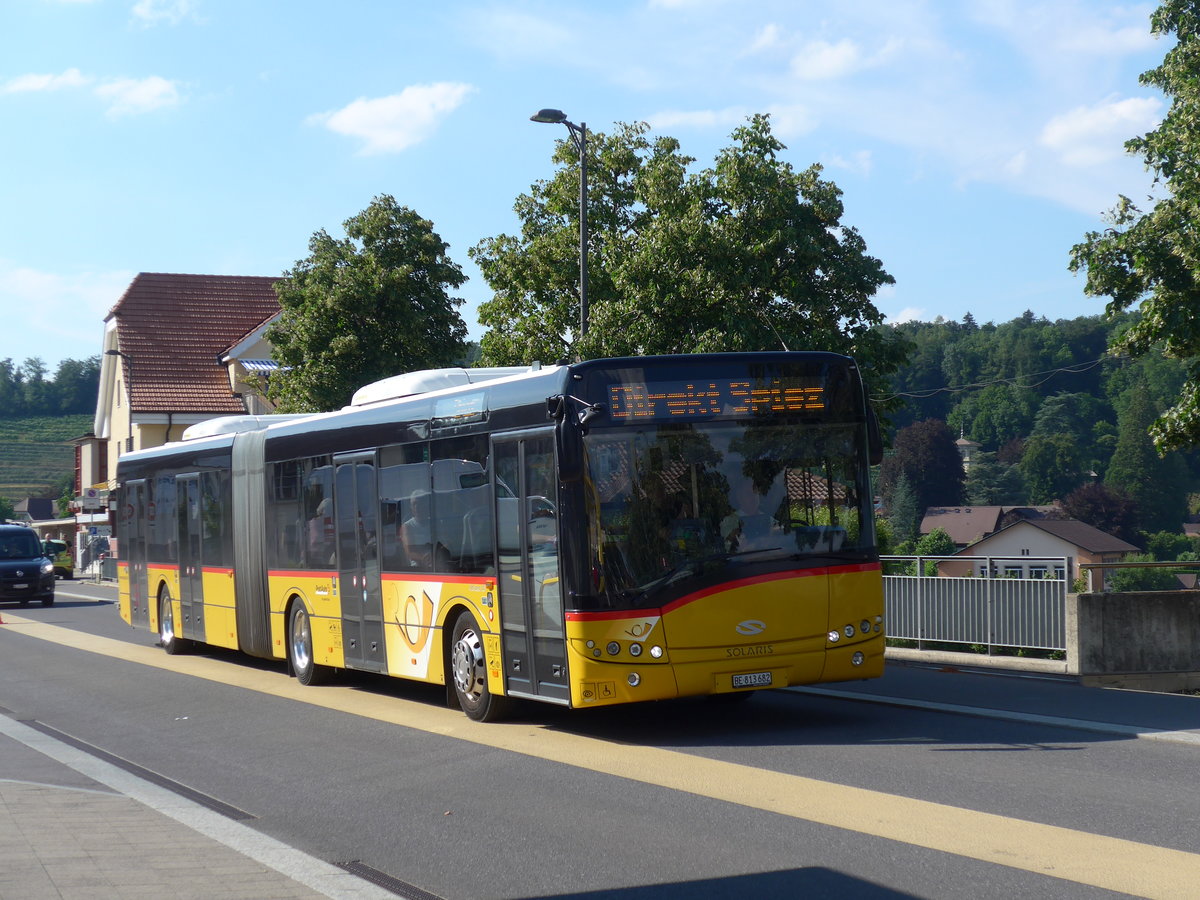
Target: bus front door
356,505
529,585
191,563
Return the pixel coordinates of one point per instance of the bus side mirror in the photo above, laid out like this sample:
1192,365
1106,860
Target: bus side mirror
874,438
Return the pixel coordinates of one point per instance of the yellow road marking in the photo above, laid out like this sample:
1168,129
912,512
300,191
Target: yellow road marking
1104,862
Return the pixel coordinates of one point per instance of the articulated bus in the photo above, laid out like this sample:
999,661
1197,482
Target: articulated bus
589,534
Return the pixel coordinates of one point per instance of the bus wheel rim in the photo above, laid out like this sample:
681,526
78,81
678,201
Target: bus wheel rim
301,641
167,627
468,665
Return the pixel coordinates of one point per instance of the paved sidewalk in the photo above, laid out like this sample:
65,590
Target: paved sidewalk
74,827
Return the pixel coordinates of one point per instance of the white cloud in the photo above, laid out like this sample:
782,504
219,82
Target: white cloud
71,78
768,38
820,60
130,96
394,123
59,316
1091,135
156,12
703,119
908,314
860,163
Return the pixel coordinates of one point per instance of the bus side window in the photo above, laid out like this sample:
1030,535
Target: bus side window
462,505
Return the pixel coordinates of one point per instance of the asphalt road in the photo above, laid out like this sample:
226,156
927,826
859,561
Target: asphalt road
925,783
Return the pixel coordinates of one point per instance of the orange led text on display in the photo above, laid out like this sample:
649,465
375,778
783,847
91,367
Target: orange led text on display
666,400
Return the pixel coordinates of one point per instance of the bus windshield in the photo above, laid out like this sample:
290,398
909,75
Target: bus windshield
671,501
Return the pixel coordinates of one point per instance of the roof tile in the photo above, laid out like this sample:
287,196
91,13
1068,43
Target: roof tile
172,330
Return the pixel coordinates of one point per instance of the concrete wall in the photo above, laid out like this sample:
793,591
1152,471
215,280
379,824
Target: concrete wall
1149,641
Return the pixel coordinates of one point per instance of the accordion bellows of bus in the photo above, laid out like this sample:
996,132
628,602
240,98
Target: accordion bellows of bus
590,534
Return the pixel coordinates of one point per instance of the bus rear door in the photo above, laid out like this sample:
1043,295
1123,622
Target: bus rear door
191,562
356,504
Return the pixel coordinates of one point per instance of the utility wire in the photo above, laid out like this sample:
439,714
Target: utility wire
1076,369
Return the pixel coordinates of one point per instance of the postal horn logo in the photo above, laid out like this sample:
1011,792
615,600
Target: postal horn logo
751,626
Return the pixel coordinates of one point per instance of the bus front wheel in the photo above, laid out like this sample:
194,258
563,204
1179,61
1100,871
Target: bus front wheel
167,636
469,669
300,648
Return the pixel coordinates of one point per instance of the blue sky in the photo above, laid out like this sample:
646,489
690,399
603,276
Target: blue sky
975,142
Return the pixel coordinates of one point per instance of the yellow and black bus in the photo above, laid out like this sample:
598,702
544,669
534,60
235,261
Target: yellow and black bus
587,534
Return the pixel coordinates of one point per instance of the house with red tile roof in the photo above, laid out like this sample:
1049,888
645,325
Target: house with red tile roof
177,351
1028,548
966,524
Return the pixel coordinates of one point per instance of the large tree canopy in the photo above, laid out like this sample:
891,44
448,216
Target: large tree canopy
1153,258
925,454
371,305
746,255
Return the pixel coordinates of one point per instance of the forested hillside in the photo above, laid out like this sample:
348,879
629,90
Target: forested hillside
1052,414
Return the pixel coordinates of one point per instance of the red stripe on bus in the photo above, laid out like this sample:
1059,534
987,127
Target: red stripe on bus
716,589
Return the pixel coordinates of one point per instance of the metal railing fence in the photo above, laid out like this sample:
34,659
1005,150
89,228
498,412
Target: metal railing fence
987,610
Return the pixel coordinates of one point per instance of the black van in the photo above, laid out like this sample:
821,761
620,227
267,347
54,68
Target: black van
26,573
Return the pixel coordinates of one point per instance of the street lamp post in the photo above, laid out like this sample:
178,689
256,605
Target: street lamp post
129,391
579,137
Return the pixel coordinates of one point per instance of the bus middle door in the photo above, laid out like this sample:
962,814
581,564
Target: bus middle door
356,505
529,583
191,562
132,535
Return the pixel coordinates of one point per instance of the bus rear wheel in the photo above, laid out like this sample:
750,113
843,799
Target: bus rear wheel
167,636
469,669
300,648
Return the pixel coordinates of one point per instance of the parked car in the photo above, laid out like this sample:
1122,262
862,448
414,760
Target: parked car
60,554
26,573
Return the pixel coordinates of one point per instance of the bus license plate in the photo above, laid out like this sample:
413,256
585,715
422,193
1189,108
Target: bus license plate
753,679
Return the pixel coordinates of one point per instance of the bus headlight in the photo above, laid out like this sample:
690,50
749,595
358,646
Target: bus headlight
613,648
857,658
864,626
656,651
635,649
849,629
634,679
834,637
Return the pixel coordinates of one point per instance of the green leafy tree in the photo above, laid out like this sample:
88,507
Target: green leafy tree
992,483
1148,260
1133,579
1108,508
1159,484
1051,466
996,414
6,510
903,514
925,454
748,254
365,307
1167,546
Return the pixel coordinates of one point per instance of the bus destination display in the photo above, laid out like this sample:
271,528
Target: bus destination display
713,397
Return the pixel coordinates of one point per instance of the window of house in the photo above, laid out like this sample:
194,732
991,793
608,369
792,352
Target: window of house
1037,571
1013,571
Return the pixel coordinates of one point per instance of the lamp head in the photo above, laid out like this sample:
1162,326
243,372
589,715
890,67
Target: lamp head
550,116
